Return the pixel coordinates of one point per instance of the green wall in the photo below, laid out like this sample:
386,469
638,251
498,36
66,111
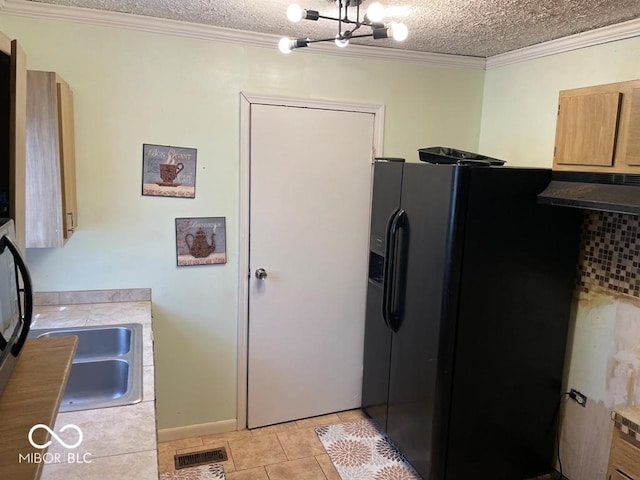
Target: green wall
520,101
132,87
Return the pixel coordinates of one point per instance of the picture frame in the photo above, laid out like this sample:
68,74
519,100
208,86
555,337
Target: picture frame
168,171
201,241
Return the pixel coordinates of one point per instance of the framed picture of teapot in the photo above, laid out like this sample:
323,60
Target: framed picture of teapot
168,171
200,241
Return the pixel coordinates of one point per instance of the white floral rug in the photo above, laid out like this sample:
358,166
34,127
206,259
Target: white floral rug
360,451
204,472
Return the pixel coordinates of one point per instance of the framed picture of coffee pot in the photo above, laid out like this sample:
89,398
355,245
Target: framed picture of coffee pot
200,241
168,171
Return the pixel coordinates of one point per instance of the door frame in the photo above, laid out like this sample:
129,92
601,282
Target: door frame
246,100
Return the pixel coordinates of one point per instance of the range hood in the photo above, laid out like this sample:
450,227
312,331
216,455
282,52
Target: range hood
609,192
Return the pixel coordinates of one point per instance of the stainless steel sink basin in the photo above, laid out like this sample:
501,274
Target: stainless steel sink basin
97,342
91,382
107,368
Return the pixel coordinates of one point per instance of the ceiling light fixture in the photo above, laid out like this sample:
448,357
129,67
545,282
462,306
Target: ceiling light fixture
347,27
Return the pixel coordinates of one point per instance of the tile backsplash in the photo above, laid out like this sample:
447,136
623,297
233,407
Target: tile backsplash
610,253
92,296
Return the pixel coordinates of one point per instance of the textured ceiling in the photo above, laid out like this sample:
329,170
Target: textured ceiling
480,28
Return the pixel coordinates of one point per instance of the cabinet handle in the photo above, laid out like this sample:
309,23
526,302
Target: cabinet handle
73,227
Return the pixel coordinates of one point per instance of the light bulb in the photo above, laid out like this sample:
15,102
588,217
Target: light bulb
375,12
398,31
284,45
295,12
341,42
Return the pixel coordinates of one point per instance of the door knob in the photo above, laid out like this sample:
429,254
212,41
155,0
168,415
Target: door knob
261,274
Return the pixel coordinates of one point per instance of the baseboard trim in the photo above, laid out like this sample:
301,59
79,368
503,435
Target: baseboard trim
178,433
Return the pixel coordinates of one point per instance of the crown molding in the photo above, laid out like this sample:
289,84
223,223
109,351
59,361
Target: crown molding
612,33
162,26
391,54
105,18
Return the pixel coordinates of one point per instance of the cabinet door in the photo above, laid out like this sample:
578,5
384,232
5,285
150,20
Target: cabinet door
586,129
67,152
44,201
624,457
633,141
51,200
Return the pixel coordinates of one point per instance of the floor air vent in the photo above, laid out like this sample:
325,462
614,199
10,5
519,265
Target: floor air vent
185,460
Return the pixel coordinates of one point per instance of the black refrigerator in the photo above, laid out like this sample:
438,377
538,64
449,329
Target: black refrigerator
468,305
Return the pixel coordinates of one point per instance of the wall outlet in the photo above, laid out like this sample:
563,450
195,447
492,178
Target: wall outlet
578,397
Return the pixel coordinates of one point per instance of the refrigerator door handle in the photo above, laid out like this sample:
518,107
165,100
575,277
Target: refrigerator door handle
387,267
391,311
397,282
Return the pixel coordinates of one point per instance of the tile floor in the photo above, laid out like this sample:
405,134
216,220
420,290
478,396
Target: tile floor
285,451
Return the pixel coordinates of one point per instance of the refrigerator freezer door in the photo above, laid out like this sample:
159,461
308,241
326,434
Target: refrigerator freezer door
377,349
387,179
420,370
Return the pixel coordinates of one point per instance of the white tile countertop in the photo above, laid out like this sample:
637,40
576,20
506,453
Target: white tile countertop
119,443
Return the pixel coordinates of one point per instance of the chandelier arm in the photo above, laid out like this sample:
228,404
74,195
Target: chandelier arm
321,40
333,38
343,20
340,16
358,25
361,36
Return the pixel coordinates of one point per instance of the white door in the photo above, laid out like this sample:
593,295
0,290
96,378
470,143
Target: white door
310,180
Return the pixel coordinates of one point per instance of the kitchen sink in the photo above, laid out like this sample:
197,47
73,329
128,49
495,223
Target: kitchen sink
106,370
95,382
97,342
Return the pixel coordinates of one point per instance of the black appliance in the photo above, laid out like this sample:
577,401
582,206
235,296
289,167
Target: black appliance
16,304
609,192
468,305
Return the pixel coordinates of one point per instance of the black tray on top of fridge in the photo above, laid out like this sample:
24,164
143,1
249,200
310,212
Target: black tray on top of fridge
449,155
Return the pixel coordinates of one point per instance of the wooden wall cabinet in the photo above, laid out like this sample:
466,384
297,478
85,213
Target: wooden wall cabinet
598,129
51,207
624,457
